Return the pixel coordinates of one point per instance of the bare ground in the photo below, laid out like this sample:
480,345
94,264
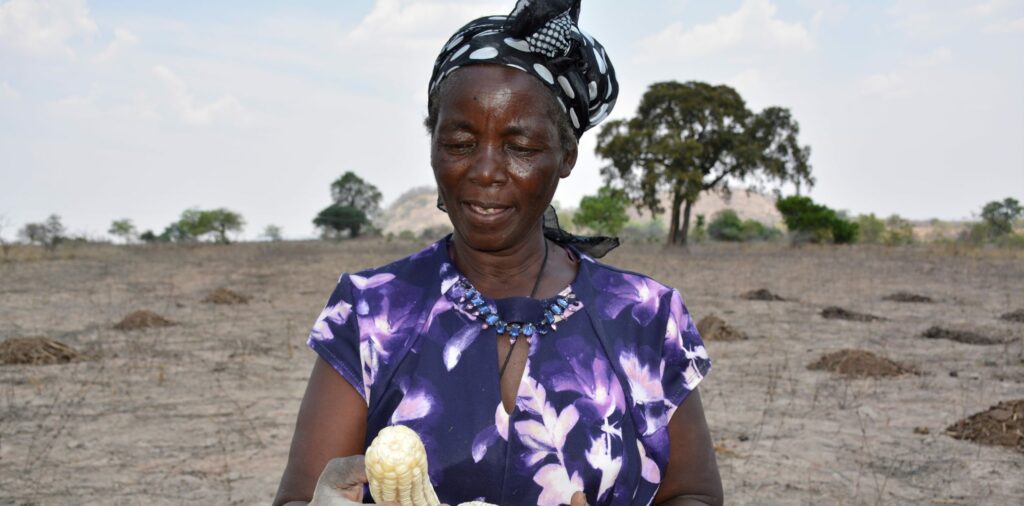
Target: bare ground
202,412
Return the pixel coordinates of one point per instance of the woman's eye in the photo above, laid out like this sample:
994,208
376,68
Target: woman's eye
519,148
457,146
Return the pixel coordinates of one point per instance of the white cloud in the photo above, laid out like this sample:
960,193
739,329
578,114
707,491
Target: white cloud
935,58
44,26
409,24
887,85
122,39
225,109
1007,26
753,26
7,92
987,8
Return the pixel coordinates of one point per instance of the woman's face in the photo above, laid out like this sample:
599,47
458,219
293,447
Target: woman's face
497,155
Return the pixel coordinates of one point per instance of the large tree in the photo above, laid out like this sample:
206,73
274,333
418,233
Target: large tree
350,190
124,229
688,138
196,223
335,219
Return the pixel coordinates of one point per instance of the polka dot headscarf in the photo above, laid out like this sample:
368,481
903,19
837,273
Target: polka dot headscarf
540,37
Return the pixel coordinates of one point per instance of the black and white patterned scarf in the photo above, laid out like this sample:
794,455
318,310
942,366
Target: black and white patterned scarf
540,37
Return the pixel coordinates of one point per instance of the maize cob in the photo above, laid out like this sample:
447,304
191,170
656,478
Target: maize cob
396,468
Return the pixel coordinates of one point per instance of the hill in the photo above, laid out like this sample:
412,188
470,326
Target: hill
416,210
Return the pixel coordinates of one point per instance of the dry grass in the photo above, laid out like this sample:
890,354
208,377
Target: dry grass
202,412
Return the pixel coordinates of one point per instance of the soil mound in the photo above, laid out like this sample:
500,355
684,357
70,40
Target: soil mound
960,336
838,313
142,320
908,297
225,296
1002,425
860,364
761,294
1014,316
713,328
36,351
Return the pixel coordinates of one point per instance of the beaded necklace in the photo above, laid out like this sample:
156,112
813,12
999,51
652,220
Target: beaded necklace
563,305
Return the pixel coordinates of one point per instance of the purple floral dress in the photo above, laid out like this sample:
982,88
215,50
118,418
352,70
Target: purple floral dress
593,406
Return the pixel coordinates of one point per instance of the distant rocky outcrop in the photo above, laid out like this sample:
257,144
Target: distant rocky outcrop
416,210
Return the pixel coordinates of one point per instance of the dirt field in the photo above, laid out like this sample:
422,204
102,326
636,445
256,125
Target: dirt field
201,412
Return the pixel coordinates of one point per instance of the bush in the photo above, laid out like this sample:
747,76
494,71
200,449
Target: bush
871,229
727,226
898,232
700,231
999,216
815,222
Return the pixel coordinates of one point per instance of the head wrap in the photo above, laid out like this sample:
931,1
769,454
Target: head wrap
541,38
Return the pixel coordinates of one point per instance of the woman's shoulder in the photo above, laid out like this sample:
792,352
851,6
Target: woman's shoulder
605,276
413,269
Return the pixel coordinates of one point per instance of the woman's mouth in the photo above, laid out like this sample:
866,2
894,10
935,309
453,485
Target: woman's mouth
487,209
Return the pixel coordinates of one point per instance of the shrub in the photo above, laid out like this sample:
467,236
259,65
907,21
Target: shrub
999,216
815,222
727,226
871,229
898,231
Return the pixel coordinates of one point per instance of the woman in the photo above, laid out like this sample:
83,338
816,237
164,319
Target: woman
533,374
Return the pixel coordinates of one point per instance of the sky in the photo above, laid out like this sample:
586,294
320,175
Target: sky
115,109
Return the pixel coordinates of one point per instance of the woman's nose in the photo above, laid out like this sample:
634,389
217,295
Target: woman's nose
489,166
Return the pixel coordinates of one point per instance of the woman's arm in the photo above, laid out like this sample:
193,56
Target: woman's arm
331,423
691,477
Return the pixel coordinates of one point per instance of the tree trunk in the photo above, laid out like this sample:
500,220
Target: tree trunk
686,221
673,227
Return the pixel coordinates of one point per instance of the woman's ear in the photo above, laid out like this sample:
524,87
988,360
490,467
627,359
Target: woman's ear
569,161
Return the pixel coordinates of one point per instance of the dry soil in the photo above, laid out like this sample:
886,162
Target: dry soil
202,412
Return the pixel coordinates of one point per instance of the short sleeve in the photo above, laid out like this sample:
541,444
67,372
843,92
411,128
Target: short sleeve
335,335
685,359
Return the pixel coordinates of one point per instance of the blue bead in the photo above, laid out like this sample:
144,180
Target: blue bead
492,319
485,309
549,316
470,292
562,302
555,308
528,329
477,300
514,330
500,327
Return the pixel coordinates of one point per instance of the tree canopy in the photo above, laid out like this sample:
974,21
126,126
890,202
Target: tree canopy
687,138
195,224
999,216
335,219
124,229
350,190
604,213
49,233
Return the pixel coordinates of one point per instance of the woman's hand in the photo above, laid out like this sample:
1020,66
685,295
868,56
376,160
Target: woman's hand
341,483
